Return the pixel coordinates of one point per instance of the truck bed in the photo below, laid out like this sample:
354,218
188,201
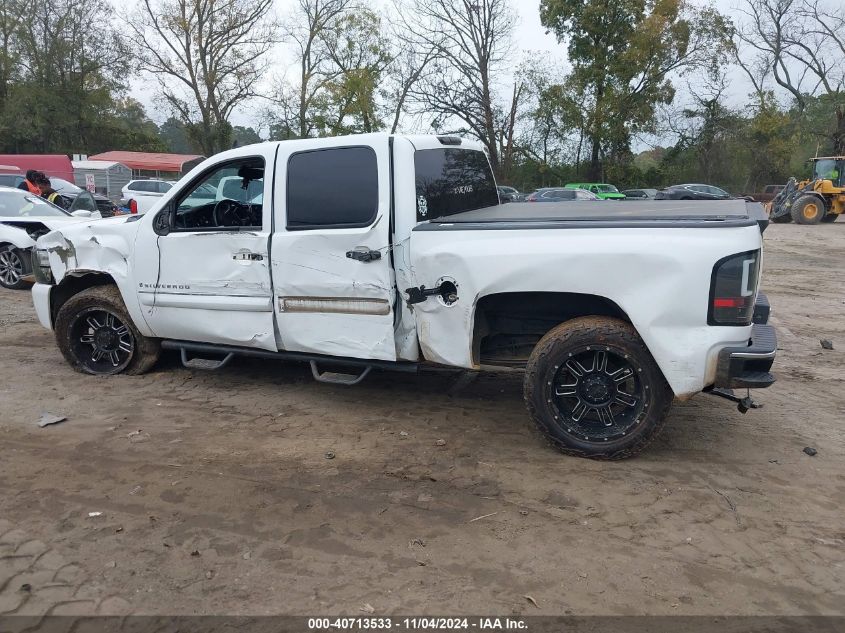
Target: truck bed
610,214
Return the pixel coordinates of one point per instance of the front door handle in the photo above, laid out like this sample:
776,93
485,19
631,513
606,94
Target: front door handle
364,255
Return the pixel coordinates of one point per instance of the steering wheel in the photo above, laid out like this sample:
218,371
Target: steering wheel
231,213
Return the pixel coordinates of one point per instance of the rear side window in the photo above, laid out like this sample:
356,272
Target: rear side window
451,181
332,188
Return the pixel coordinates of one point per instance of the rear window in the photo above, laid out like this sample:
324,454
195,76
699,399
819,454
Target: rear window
451,181
332,188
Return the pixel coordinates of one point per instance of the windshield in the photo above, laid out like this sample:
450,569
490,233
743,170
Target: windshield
826,168
451,181
25,205
608,189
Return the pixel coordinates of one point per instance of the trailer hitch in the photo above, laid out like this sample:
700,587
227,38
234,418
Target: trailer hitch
742,404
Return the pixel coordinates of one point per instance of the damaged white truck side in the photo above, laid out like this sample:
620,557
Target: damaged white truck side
393,252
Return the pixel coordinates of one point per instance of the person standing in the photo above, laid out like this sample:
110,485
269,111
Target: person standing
29,182
47,191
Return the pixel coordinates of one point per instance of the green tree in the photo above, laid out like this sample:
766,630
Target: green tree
624,53
59,80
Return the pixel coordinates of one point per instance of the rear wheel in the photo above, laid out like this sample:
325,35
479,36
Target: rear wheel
96,335
14,266
593,389
808,209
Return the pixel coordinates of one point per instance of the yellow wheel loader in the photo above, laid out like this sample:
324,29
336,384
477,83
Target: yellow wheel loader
819,199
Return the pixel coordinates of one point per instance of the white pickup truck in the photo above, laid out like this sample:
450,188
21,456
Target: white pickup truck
393,252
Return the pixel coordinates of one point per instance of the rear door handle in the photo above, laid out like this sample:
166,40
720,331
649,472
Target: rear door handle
364,255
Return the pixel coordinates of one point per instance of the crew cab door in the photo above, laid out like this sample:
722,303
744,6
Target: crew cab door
333,283
202,262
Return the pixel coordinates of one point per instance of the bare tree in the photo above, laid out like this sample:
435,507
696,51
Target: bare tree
308,28
800,44
471,42
208,56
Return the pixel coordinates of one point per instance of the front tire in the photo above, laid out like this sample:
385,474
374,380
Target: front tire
96,335
593,389
14,265
808,209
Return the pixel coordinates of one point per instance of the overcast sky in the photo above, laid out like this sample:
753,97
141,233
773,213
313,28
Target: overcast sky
529,35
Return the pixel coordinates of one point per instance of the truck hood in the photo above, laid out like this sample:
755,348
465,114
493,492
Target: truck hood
99,245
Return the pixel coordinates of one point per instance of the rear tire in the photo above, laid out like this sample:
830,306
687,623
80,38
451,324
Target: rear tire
96,335
808,209
14,265
593,389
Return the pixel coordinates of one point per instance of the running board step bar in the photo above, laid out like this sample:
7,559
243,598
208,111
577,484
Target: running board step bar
362,365
333,378
208,364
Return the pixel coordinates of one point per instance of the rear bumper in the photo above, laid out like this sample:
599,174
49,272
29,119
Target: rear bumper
748,366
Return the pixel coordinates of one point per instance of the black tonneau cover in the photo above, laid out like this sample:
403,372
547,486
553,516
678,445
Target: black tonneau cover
616,214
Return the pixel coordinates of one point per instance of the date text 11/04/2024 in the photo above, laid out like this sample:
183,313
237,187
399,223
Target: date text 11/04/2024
418,624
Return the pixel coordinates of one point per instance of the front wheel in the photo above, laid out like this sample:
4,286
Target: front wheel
593,389
808,209
14,266
96,335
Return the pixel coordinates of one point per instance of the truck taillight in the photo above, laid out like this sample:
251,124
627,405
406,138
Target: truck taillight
733,289
133,206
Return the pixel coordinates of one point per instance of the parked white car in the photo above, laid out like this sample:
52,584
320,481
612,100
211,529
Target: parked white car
393,252
145,193
23,219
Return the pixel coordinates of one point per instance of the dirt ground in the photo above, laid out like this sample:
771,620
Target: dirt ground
217,496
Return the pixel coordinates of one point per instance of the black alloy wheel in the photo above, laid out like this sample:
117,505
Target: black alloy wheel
101,341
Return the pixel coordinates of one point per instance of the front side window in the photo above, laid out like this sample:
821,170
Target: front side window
229,196
450,181
332,188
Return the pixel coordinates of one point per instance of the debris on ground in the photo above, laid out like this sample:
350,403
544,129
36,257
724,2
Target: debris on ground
810,451
50,418
826,343
440,443
417,541
524,513
135,490
92,515
118,529
196,552
367,608
531,600
403,433
209,574
483,516
247,555
329,455
133,434
26,587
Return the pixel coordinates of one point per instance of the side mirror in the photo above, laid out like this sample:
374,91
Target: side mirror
161,222
81,213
